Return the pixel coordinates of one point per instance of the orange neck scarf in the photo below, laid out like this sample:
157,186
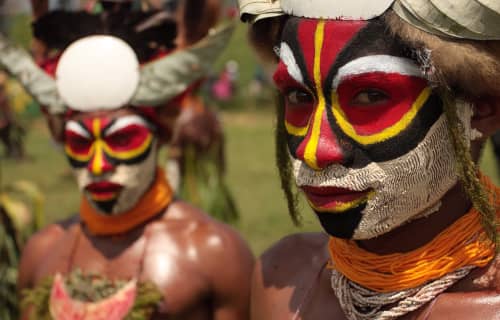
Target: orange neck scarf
157,198
464,243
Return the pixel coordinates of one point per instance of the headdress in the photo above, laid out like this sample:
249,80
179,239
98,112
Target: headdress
468,19
100,71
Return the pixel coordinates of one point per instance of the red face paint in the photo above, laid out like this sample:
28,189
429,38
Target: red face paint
326,121
101,143
392,96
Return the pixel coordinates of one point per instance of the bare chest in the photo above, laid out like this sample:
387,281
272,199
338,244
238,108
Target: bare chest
184,287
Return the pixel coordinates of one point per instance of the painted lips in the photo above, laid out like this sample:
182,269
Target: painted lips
103,191
332,199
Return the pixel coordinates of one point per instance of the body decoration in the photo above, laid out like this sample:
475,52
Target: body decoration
462,244
153,202
359,303
91,297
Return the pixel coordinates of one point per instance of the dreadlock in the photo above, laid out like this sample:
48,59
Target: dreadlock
468,170
283,162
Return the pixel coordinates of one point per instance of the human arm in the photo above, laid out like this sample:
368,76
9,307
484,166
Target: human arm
32,257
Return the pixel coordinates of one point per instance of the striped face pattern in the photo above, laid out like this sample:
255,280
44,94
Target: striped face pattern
358,115
107,154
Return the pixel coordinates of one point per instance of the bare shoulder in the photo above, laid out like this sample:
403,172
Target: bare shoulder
282,273
37,248
216,242
294,252
215,252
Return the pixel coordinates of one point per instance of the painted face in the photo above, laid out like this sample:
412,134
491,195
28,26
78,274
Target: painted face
114,159
367,135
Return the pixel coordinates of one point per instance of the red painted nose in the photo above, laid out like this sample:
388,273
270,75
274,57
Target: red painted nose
320,148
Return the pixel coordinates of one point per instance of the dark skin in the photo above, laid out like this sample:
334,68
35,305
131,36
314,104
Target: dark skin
181,250
292,281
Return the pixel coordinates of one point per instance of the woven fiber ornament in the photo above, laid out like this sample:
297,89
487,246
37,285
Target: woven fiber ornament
468,19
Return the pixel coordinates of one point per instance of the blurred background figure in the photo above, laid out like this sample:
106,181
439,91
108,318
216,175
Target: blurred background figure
224,87
196,163
196,156
11,131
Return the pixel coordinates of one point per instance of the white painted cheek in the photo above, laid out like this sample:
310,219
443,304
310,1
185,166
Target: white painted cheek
135,179
83,178
414,185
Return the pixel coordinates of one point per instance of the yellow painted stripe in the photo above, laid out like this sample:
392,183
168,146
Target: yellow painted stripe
342,207
312,143
98,160
96,127
79,157
388,132
125,155
296,131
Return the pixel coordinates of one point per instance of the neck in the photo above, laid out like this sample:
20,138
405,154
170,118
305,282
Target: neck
417,233
154,201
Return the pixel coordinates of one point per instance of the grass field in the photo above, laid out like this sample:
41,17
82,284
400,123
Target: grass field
252,177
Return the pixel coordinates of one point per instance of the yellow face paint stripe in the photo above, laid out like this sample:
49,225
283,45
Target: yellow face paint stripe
388,132
296,131
97,161
79,157
120,155
312,143
96,127
345,205
126,155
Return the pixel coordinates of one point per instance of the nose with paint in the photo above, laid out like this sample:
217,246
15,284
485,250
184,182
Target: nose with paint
320,148
99,164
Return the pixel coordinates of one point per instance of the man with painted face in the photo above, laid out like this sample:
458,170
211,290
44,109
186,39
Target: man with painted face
134,251
384,107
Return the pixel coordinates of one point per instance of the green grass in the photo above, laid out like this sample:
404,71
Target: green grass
251,176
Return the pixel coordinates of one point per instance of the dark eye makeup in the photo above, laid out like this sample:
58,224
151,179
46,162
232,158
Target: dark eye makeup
369,97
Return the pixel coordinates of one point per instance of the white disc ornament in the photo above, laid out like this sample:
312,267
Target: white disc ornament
97,73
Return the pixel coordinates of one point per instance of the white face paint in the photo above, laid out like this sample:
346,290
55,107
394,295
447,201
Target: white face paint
114,160
404,188
135,180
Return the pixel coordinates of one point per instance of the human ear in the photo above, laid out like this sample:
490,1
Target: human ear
486,118
56,126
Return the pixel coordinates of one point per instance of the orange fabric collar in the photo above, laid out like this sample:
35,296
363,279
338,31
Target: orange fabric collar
462,244
157,198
